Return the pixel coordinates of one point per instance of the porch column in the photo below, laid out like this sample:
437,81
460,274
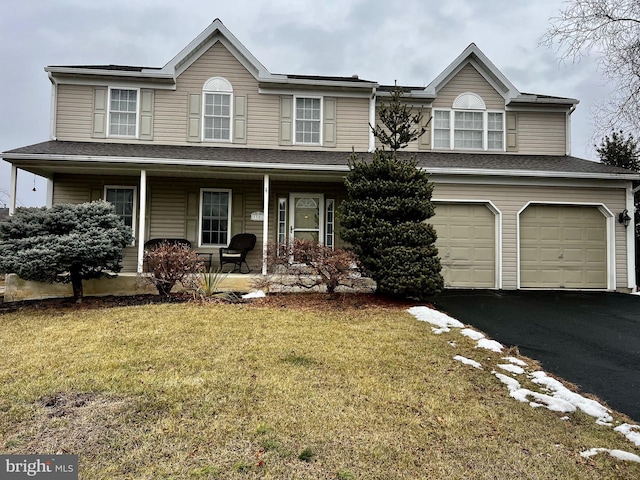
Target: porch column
49,203
265,224
13,189
142,218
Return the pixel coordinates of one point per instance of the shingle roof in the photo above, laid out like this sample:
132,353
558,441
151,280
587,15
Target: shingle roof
442,161
119,68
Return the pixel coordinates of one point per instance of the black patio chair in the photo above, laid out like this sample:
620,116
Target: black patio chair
236,253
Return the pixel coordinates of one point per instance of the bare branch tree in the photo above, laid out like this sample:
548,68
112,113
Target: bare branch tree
609,29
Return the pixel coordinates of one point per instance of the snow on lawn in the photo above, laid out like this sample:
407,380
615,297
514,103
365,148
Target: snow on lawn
558,397
619,454
434,317
467,361
258,294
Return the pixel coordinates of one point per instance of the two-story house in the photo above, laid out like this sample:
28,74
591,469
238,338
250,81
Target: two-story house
213,144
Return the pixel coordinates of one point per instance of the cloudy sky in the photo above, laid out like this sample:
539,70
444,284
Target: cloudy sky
410,41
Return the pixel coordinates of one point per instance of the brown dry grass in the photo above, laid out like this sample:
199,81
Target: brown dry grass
286,387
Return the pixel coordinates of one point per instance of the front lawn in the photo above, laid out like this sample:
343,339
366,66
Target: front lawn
245,391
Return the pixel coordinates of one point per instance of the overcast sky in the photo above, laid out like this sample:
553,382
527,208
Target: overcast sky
410,41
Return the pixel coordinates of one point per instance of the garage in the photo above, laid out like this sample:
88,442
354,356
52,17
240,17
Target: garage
563,247
466,244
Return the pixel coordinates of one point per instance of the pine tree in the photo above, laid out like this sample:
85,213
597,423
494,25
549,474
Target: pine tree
64,244
385,216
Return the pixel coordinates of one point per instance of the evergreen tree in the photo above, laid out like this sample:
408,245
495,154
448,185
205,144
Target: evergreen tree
619,151
385,216
65,243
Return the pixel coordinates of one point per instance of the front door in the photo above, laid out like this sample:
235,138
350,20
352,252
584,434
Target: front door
306,216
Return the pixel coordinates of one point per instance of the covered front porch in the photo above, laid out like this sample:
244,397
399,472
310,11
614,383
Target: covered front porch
203,201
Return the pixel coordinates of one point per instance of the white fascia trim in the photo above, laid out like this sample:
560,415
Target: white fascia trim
611,236
155,74
296,166
179,161
125,83
498,230
316,92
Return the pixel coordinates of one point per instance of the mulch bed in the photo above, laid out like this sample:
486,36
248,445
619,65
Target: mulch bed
300,301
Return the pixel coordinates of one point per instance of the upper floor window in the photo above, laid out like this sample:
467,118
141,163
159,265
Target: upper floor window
307,120
474,128
123,112
216,124
123,200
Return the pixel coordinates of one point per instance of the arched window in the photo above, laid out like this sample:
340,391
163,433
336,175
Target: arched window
217,100
474,127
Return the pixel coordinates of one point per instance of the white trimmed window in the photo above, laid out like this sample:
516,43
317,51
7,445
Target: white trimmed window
468,126
124,201
217,96
123,112
308,114
215,217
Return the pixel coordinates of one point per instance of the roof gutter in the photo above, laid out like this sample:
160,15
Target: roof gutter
312,167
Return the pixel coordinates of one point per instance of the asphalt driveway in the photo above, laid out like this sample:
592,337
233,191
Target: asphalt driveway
591,339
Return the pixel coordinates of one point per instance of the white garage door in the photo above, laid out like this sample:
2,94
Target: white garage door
563,247
466,244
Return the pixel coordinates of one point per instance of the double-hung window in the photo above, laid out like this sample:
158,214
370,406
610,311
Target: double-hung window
215,217
123,200
468,125
308,120
217,111
123,112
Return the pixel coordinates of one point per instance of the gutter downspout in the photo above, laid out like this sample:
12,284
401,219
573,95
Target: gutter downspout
631,237
142,220
13,189
54,108
568,142
372,119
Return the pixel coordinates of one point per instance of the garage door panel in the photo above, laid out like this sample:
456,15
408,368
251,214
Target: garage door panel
546,254
550,233
563,247
466,242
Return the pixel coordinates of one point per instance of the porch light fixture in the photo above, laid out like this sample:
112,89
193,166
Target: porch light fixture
624,218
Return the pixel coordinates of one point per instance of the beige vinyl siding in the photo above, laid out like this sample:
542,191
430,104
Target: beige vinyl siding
542,133
510,199
352,120
75,112
469,80
171,111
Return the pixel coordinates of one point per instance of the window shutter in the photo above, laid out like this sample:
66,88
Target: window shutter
193,129
512,132
329,120
286,120
424,142
99,112
240,119
146,114
191,223
237,215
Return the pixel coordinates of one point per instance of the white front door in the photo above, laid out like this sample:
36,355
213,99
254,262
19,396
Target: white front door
306,216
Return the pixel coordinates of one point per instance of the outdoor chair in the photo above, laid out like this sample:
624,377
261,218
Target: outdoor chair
236,253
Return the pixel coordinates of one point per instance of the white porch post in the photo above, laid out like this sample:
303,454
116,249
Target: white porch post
13,189
142,218
265,224
49,203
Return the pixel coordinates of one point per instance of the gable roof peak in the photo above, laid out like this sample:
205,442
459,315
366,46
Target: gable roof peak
215,32
476,57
